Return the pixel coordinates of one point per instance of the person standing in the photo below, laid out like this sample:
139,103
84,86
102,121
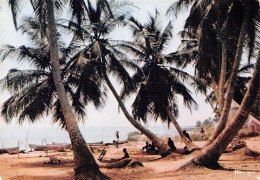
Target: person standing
117,138
202,132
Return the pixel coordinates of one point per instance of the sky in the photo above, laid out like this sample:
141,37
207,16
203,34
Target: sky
109,115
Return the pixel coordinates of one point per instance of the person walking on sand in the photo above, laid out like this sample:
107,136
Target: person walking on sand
171,144
117,138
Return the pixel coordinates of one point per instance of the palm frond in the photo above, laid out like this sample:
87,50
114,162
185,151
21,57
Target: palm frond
14,5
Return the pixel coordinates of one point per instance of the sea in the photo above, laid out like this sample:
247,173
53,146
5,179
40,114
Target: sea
22,136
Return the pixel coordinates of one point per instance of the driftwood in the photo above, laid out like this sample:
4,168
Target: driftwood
117,164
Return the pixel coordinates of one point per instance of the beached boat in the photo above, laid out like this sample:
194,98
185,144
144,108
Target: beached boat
37,147
100,143
96,143
13,150
59,146
3,151
117,164
115,143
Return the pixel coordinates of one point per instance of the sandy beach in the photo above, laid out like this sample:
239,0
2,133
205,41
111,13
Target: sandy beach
31,166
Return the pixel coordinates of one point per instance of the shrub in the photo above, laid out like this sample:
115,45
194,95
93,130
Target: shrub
131,134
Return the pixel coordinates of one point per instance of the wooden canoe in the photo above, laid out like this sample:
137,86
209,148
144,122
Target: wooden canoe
117,164
37,147
96,143
58,147
13,150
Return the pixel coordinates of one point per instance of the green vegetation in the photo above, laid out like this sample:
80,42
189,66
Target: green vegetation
133,133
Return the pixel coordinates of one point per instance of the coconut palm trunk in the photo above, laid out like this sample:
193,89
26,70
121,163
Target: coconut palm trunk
84,162
222,80
210,155
232,80
190,145
164,149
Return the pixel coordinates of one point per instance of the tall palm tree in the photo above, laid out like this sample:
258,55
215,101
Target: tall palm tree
35,88
159,83
100,55
84,162
218,25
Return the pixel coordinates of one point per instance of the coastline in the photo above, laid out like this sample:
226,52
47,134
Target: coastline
31,166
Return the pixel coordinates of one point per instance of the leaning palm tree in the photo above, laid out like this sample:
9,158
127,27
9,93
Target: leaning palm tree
159,83
210,155
85,164
247,29
219,25
101,56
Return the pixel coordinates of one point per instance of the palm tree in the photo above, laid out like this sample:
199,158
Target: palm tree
84,162
217,25
35,88
26,85
209,156
159,83
103,57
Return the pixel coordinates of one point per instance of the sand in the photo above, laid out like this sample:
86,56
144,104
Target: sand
31,166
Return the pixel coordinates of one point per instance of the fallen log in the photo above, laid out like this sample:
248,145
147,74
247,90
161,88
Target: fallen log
117,164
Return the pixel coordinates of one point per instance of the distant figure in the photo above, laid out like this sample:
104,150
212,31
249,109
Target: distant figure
91,148
103,153
153,149
117,138
126,154
146,146
171,144
202,133
186,134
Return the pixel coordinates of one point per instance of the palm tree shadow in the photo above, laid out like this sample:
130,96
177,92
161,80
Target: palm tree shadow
39,164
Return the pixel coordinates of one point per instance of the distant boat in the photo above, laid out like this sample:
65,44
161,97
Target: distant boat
59,146
37,147
115,143
13,150
96,143
2,151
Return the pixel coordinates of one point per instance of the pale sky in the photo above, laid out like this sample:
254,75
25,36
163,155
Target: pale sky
109,115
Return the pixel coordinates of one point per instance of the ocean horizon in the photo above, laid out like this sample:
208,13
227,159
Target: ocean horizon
11,136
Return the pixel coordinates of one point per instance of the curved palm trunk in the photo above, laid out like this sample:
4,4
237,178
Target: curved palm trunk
232,80
210,155
84,162
222,80
190,145
163,148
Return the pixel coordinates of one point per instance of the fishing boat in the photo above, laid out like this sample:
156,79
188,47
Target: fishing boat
37,147
13,150
2,151
100,143
59,146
